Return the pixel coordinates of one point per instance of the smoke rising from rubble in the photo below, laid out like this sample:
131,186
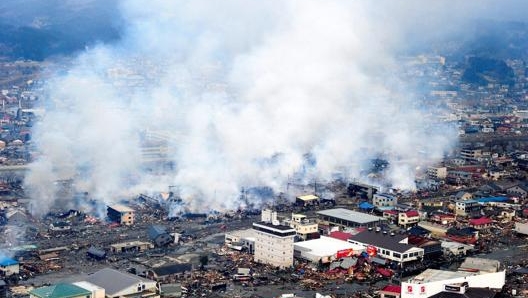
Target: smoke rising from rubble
241,91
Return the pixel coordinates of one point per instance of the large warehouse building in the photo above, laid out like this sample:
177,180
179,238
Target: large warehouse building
324,249
347,218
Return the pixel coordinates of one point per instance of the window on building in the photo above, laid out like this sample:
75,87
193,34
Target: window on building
396,255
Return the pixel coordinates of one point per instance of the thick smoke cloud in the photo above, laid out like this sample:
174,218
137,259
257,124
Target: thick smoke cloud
245,93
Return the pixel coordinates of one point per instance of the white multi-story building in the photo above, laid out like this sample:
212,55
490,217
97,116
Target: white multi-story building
384,200
273,242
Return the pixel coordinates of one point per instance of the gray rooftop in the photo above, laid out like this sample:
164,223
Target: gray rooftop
350,215
114,281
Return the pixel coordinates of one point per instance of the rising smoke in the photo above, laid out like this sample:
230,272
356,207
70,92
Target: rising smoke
243,92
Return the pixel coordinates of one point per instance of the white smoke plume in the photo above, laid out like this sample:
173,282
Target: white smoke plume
243,91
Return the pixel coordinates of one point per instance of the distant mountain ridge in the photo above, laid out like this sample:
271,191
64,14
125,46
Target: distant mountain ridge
36,29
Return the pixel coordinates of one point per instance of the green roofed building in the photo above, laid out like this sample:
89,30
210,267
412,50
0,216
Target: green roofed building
60,291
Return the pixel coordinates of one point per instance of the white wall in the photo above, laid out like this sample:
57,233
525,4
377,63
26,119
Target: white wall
491,280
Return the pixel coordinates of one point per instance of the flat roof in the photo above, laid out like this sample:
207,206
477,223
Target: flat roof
121,208
245,233
326,246
432,275
272,226
308,197
350,215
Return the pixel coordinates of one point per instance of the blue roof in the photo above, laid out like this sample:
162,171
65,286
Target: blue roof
493,199
6,261
366,205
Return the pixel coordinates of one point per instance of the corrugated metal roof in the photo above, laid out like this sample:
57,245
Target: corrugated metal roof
350,215
114,281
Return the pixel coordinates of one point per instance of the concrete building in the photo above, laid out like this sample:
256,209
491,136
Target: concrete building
307,200
362,190
97,292
390,246
325,249
437,173
241,240
273,242
347,218
121,214
384,200
305,228
432,281
467,207
120,284
471,154
60,291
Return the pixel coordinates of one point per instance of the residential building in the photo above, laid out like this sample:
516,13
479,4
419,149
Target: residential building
467,207
442,218
347,218
120,284
159,235
384,200
121,214
273,242
480,223
519,190
466,235
471,154
391,215
170,273
305,228
437,173
390,246
408,218
453,248
61,290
